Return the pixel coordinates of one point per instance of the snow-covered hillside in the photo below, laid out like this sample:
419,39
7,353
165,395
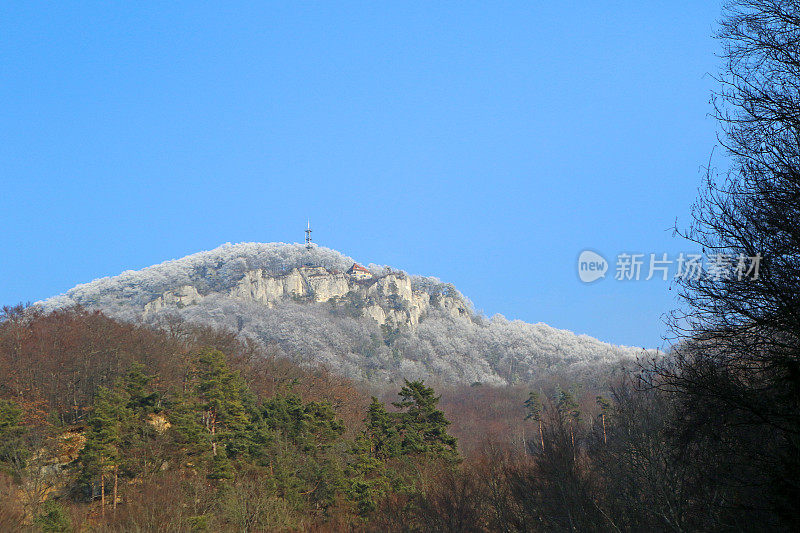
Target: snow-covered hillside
382,326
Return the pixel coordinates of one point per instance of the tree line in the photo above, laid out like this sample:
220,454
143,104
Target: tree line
241,447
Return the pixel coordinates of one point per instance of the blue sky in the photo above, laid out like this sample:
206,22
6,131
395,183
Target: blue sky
485,143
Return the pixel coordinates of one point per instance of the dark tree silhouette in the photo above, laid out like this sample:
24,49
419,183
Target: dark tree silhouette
737,366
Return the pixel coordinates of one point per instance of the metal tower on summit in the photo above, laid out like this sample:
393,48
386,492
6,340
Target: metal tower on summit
309,244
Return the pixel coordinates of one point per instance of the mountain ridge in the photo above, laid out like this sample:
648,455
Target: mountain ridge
384,326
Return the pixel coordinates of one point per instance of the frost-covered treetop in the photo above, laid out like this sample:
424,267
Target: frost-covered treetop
443,347
213,271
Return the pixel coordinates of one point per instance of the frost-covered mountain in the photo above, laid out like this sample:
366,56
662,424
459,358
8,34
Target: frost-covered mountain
373,323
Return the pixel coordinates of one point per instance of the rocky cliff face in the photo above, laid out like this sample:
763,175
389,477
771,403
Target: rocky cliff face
388,299
180,298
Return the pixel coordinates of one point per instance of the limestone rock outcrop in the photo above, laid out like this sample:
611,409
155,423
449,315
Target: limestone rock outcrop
314,283
388,299
183,296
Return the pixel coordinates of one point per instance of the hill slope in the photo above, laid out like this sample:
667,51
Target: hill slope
382,325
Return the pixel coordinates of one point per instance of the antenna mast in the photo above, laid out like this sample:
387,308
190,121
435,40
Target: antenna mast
309,244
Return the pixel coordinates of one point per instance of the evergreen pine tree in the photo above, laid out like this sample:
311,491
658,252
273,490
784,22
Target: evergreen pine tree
138,385
422,425
12,433
534,408
569,410
381,431
379,441
213,415
605,409
101,455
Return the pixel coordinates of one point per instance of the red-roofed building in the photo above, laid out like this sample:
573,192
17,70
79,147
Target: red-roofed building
359,272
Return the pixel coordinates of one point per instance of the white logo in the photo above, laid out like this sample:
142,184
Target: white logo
591,266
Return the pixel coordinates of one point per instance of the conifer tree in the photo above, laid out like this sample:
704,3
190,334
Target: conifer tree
12,432
101,454
605,409
137,384
534,409
422,425
569,410
381,431
220,390
213,414
378,442
312,426
187,425
138,434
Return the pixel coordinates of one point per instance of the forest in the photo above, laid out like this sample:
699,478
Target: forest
110,425
107,425
113,426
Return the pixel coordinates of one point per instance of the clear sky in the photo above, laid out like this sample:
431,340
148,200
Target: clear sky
483,143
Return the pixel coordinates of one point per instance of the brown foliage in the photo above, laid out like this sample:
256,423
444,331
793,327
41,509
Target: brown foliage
12,514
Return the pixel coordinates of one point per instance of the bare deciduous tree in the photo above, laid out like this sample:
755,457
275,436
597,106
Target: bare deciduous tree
737,369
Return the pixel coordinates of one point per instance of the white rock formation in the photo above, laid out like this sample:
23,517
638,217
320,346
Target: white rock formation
181,297
389,299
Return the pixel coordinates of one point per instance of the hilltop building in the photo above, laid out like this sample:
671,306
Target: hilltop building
359,272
